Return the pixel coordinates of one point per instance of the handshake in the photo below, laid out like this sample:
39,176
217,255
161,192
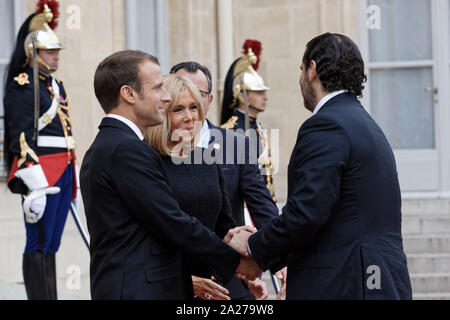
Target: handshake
237,238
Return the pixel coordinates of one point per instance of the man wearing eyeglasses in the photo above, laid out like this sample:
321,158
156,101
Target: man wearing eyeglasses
242,177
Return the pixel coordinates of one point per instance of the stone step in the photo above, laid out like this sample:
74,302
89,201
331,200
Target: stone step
427,243
425,206
12,291
428,263
430,282
426,224
16,291
431,296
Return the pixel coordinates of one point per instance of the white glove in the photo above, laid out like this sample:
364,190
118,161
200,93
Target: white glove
34,203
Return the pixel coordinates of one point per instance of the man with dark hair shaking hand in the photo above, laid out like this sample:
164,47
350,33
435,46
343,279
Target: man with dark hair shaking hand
340,230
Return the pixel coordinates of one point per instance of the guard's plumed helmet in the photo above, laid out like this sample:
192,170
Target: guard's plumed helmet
42,26
245,76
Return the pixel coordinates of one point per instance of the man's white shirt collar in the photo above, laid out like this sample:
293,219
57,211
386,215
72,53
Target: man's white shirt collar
128,123
326,98
205,135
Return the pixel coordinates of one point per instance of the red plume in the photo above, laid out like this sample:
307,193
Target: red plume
256,48
53,5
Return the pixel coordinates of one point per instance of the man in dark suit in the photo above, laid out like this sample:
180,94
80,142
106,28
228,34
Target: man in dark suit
138,232
242,177
340,231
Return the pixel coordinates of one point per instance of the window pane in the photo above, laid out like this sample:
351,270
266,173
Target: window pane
2,133
2,162
403,108
2,76
7,29
7,39
146,18
405,32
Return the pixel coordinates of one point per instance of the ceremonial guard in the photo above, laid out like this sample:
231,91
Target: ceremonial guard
244,98
39,146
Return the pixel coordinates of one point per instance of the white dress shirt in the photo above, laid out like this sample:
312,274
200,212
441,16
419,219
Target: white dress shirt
205,135
326,98
128,123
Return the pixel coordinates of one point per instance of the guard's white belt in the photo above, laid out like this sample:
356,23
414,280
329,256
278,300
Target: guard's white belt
53,142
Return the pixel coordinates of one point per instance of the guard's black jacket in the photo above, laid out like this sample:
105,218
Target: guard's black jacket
19,120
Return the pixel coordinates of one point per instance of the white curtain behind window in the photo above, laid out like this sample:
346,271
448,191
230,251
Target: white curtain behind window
405,32
400,102
402,107
6,29
6,47
146,28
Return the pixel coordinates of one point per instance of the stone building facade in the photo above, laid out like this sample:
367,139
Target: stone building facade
211,32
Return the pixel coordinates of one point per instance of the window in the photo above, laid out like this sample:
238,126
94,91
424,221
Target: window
401,60
406,47
146,28
10,21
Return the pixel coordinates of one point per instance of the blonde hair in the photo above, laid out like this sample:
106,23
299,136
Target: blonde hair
158,137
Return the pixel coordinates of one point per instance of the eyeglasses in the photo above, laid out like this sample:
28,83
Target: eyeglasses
204,93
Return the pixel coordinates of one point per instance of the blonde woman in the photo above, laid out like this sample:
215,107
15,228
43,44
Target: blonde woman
198,187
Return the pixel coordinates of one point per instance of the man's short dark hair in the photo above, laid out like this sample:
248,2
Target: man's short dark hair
192,67
119,69
339,63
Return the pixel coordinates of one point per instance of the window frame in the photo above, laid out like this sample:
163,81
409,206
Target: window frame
441,80
19,18
161,47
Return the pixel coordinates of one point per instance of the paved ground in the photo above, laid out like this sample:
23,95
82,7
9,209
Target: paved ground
16,291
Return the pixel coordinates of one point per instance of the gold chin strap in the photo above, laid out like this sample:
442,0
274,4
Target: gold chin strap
47,67
41,62
255,108
24,150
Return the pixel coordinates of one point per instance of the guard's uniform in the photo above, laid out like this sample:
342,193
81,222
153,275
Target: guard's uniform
242,76
47,160
53,152
258,138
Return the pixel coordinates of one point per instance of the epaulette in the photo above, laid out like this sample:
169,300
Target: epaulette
57,80
42,77
231,123
22,79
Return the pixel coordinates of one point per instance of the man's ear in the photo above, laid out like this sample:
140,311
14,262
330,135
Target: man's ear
210,98
128,94
312,71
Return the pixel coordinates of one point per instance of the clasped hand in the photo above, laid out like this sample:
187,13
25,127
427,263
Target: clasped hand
237,238
34,203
